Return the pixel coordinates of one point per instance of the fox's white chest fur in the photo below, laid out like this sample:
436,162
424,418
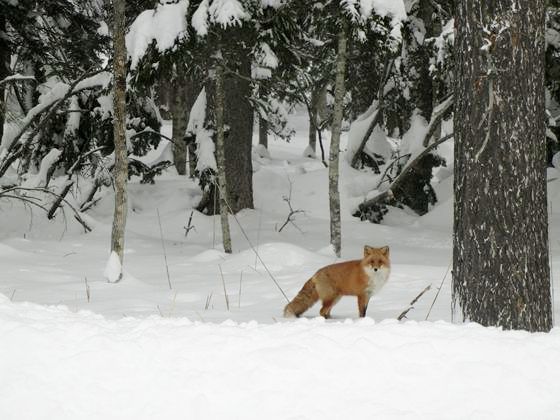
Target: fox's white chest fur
376,279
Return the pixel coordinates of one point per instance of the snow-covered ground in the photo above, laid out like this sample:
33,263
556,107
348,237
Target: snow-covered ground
138,349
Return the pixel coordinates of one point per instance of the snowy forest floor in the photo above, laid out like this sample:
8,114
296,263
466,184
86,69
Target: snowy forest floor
138,349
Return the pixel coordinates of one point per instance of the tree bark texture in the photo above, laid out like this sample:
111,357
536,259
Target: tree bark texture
238,114
312,113
179,112
221,159
501,270
119,120
4,60
339,91
263,123
185,91
263,132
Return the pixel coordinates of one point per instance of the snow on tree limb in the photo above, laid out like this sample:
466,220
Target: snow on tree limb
364,9
164,25
59,93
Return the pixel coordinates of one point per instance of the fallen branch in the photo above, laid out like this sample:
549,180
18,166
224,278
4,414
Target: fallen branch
28,199
17,78
388,194
376,119
437,116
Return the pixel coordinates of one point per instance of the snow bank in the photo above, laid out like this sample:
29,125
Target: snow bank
64,365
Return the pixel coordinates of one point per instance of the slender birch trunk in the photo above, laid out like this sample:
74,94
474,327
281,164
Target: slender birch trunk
501,274
121,160
221,158
339,91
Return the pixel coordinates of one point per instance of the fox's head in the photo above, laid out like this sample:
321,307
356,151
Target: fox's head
376,259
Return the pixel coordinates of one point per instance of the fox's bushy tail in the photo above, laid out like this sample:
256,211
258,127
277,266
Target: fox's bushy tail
304,300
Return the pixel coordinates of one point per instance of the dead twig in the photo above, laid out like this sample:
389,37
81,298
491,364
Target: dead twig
224,284
439,290
88,294
208,300
292,213
189,226
403,313
240,281
164,253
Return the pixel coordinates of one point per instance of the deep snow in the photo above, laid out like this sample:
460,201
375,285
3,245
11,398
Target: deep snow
137,349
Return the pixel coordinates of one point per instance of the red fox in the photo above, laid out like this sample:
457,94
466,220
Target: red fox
362,278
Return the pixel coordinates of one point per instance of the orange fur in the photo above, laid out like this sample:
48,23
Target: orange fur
361,278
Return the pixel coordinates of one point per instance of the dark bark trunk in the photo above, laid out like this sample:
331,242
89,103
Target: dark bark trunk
312,145
193,85
501,274
179,113
263,132
263,123
4,59
187,88
119,105
238,119
313,113
425,85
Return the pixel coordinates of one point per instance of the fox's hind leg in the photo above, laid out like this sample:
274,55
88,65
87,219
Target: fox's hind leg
328,305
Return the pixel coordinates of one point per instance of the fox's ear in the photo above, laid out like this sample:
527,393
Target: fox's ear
385,250
367,250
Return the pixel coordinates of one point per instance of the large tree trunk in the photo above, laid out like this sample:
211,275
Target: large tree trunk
239,116
119,105
500,249
339,91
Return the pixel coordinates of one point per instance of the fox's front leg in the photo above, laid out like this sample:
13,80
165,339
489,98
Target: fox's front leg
363,300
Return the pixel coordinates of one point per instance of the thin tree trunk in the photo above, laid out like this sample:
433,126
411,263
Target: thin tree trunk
263,132
194,85
221,158
312,145
334,194
312,112
263,123
501,270
119,105
179,112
